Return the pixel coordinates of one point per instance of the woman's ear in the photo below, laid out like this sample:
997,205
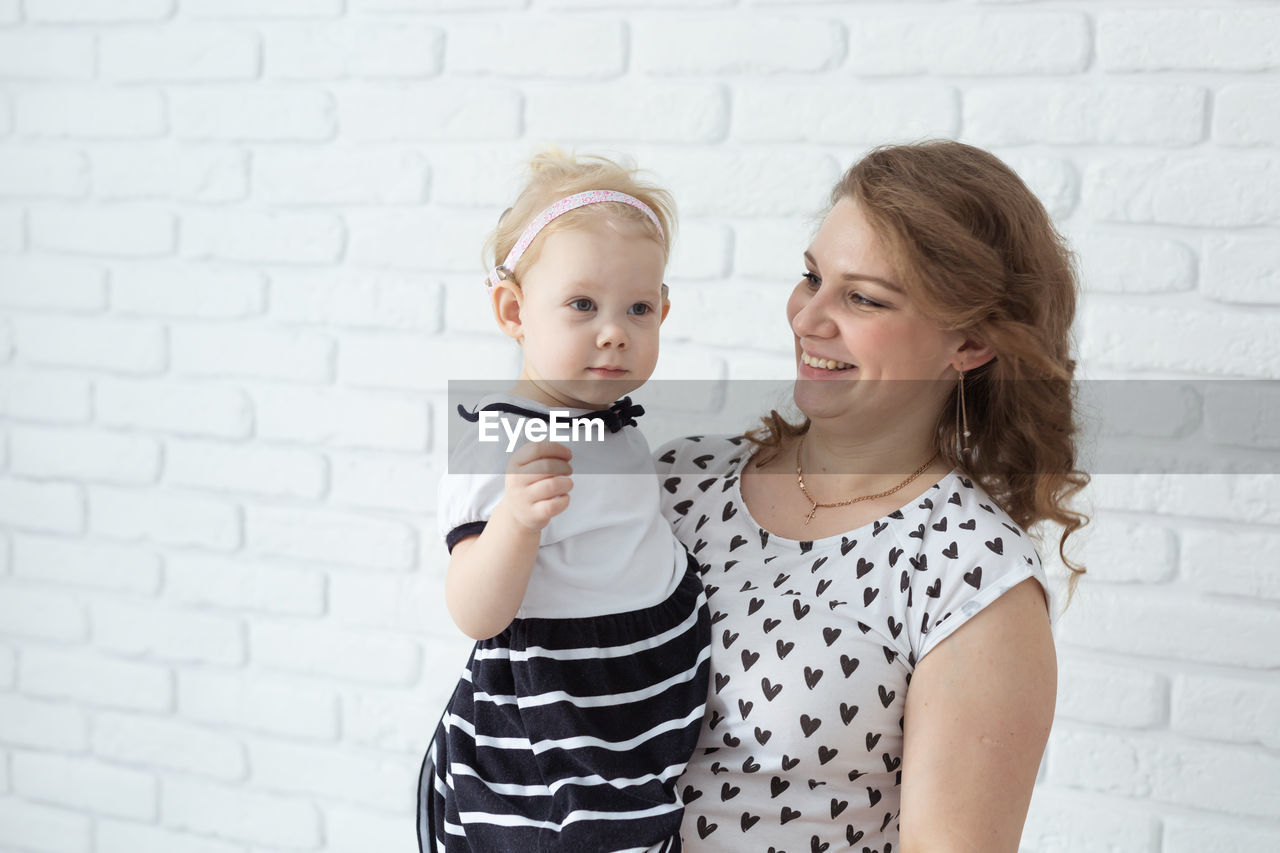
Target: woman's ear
507,302
972,354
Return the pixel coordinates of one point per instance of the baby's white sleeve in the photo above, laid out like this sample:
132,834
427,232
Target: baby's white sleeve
466,501
470,489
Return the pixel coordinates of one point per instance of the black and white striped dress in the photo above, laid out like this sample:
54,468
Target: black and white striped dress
569,733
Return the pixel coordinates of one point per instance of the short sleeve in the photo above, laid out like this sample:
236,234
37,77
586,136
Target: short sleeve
466,501
977,556
470,489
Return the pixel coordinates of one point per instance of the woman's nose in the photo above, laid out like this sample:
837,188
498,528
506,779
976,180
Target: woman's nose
812,317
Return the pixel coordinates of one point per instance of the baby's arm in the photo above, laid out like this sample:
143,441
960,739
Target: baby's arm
489,572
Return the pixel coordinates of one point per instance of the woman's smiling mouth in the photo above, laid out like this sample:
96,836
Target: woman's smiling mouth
823,363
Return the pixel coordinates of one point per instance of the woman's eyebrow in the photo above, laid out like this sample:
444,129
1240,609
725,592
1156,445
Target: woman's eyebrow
855,276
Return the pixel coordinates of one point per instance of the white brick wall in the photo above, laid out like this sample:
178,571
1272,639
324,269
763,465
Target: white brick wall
239,248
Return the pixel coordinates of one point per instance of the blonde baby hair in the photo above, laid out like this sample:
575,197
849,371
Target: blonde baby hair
553,175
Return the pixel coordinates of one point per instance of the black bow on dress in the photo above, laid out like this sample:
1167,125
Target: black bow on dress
621,414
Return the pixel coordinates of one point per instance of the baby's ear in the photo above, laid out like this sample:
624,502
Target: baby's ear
506,309
666,305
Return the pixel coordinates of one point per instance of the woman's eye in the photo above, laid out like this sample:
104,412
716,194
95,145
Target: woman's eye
859,299
582,304
812,278
640,309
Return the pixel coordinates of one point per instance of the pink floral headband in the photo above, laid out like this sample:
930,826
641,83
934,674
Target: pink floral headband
504,270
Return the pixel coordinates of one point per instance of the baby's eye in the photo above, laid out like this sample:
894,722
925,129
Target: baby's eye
582,304
640,309
811,278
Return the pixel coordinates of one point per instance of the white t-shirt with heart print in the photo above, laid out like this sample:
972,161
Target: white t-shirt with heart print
813,648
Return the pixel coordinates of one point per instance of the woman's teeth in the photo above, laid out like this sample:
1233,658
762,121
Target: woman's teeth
824,363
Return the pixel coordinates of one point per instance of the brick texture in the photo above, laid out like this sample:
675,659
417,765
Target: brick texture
240,263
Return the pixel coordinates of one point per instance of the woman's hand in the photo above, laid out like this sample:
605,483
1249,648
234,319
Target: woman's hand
538,482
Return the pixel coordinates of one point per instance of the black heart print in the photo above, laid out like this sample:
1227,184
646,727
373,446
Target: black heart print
953,539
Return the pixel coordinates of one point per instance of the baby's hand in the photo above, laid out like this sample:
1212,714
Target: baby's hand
538,483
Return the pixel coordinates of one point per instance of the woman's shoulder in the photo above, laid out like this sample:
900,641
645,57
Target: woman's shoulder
696,468
964,517
968,552
701,455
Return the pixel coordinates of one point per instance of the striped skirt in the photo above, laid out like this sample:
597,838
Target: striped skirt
570,734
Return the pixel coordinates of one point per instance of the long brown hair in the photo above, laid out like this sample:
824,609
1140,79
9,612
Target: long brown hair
977,252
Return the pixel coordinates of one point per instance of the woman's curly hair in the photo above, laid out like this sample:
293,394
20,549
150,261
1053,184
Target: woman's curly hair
977,252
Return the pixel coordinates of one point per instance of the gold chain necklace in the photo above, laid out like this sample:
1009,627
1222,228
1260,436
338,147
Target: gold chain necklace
814,505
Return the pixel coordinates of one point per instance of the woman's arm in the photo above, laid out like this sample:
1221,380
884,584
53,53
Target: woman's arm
489,573
978,714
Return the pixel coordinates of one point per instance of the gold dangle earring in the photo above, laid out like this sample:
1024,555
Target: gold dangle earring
962,417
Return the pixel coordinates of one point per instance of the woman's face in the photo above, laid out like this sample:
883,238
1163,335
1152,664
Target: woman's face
861,346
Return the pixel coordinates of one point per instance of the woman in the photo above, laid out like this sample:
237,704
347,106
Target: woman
883,669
